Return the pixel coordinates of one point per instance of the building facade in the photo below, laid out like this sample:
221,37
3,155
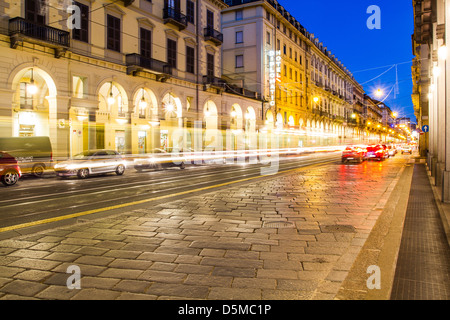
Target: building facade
430,73
125,78
306,88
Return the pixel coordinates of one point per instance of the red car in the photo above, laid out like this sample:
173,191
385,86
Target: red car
9,169
376,152
354,154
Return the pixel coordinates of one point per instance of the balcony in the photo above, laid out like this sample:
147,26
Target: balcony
214,82
213,35
136,62
175,18
21,30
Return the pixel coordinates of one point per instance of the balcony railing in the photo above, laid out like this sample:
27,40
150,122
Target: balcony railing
215,82
175,17
19,28
213,35
136,62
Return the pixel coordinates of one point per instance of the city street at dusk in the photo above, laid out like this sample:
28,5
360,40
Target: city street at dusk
234,158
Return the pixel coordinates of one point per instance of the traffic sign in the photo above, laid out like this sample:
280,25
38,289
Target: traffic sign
425,129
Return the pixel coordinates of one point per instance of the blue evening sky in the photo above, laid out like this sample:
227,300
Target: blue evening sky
342,27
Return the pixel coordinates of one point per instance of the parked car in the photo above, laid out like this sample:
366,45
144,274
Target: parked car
376,152
406,149
159,159
357,154
33,154
91,163
10,171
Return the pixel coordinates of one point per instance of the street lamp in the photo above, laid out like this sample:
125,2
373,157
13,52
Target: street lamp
111,99
379,93
32,88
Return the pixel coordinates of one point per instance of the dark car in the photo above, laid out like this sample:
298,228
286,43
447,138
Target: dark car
376,152
159,159
357,154
33,154
10,171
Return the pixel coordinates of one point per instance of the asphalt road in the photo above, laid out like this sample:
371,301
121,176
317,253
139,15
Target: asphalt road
34,199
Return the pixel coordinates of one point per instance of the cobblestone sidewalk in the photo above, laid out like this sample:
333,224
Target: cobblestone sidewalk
295,236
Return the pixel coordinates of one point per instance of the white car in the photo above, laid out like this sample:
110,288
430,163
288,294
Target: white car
406,149
90,163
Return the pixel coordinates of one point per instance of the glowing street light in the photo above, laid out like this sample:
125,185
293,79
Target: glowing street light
379,93
31,87
316,99
111,99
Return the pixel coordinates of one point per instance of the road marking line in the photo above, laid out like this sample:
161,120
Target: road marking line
85,213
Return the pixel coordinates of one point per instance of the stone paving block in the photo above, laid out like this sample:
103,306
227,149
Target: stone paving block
25,253
157,257
179,290
276,274
121,273
234,294
17,244
86,270
96,294
33,275
252,283
98,282
300,285
228,262
56,293
131,264
209,280
35,264
23,288
94,260
136,296
162,276
135,286
124,254
62,256
234,272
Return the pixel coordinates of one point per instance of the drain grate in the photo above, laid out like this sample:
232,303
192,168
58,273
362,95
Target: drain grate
279,224
338,228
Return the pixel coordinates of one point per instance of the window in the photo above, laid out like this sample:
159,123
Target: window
239,15
190,11
82,33
239,37
284,49
268,37
190,59
278,45
210,65
210,19
113,33
239,61
33,11
290,53
172,53
146,43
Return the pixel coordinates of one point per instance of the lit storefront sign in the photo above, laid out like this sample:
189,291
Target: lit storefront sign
274,74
